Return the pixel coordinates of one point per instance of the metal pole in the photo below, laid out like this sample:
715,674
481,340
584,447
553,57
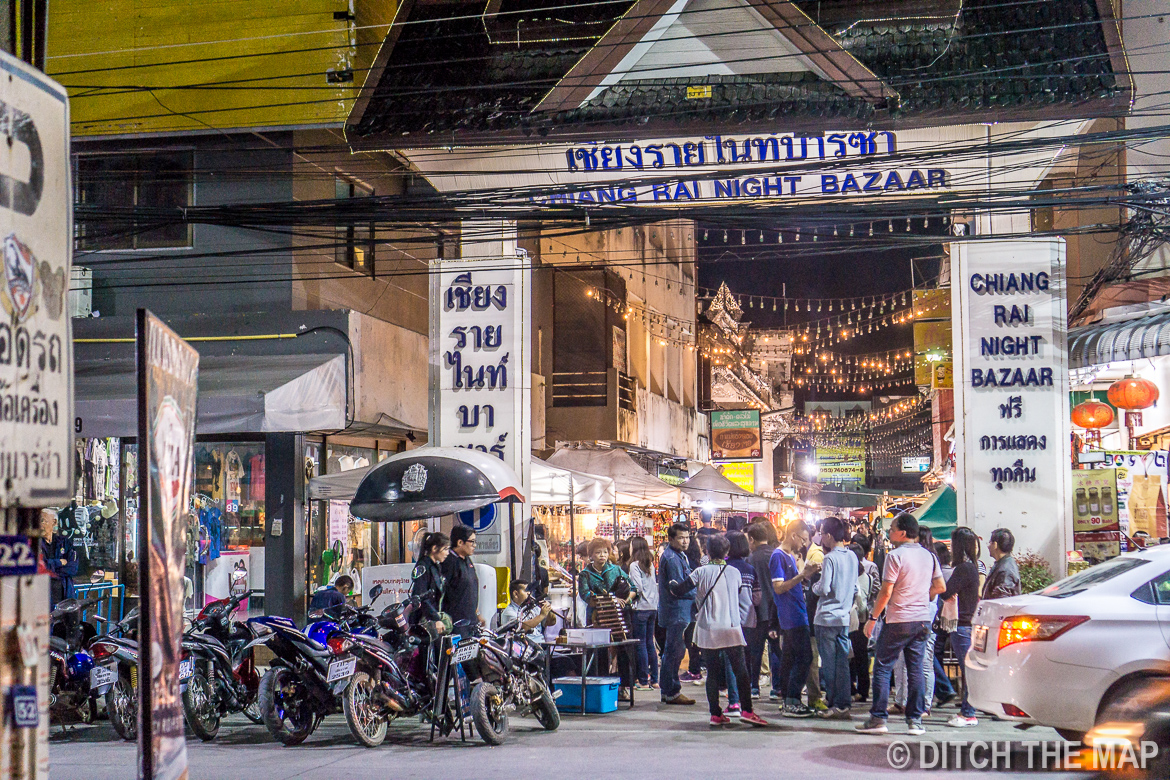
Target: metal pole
512,538
573,547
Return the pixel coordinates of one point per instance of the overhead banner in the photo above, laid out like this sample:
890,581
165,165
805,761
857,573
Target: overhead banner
480,381
841,463
36,357
168,372
735,435
1011,392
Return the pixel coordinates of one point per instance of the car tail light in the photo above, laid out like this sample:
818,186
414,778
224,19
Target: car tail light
1012,711
1035,628
338,644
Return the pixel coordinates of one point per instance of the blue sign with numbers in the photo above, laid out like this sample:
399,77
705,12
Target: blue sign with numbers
25,711
479,519
17,556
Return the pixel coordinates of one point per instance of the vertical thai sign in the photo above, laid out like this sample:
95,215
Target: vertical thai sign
36,389
1011,392
168,370
480,368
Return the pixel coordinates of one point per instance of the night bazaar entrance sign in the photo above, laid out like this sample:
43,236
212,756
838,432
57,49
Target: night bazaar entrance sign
720,169
1011,392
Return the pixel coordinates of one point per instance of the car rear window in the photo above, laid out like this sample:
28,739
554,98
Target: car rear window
1083,580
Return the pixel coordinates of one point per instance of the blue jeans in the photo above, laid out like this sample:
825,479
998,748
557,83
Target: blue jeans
729,681
795,661
647,653
672,655
942,683
960,644
833,644
909,641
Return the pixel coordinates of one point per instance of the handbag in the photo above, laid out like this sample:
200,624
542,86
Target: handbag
948,616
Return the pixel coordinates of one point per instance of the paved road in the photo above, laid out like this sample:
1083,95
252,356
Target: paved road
650,742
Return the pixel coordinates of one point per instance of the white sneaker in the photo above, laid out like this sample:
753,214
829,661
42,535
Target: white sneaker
915,728
959,722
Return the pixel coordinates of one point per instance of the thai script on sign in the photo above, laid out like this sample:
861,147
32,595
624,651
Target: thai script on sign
725,150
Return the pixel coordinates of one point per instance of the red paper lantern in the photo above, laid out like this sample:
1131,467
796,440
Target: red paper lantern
1133,393
1092,414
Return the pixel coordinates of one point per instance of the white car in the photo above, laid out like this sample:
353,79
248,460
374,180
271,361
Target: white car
1060,656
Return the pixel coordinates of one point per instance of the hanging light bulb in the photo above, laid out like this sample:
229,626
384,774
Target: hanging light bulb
814,234
819,305
797,235
725,236
774,305
871,229
780,237
761,236
742,237
907,224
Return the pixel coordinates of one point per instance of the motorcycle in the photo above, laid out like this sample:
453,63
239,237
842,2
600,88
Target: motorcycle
115,674
71,692
217,675
395,675
507,668
309,671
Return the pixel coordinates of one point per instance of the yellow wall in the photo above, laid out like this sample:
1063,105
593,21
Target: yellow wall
128,63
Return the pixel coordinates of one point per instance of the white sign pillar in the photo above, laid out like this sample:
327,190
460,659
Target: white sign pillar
480,367
1011,393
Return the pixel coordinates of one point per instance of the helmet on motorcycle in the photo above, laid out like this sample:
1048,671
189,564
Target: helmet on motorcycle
78,664
321,630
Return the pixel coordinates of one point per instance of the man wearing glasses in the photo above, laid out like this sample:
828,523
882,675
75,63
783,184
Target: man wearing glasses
461,598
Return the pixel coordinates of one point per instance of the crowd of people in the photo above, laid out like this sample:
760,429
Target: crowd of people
843,617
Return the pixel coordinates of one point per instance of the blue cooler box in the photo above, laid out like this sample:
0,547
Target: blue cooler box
601,694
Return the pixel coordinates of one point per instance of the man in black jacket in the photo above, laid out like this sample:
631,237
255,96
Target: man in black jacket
765,632
461,598
1004,578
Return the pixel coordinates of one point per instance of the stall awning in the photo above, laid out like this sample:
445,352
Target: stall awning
940,512
635,486
1136,339
237,394
710,487
549,485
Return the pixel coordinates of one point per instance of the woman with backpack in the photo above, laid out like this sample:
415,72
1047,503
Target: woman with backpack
722,604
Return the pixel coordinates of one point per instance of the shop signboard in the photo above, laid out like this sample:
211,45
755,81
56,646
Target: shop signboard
735,435
742,474
168,372
480,372
1011,392
916,464
1095,504
36,354
841,462
1140,490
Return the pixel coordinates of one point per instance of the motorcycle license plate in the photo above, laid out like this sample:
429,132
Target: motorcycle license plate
979,638
186,669
465,653
339,670
101,676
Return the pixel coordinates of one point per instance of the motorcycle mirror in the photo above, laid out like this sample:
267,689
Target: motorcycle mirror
375,591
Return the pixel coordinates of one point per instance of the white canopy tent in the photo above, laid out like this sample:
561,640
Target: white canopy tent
634,485
550,485
710,488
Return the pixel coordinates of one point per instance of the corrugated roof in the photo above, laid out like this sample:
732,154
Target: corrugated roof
1137,339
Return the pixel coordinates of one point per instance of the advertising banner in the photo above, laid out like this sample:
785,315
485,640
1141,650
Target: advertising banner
915,464
1141,480
1094,500
168,371
735,435
36,236
841,463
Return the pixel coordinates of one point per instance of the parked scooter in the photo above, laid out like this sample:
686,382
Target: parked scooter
217,673
309,671
71,694
115,674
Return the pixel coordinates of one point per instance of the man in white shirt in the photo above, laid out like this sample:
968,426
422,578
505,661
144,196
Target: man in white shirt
531,617
910,579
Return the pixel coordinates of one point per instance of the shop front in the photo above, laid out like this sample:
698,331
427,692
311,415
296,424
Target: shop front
272,413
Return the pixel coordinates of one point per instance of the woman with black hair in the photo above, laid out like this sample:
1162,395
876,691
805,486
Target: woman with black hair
428,583
964,583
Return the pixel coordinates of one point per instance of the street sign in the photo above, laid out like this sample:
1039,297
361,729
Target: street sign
479,519
36,239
